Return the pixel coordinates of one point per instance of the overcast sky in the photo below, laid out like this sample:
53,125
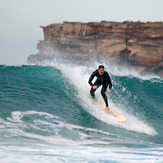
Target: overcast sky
20,19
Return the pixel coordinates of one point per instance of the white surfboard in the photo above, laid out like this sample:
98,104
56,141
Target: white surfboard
113,114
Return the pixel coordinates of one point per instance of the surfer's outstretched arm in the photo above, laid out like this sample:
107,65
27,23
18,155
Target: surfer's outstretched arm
90,80
109,81
92,77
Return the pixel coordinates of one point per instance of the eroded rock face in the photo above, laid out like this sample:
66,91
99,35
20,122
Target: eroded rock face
135,43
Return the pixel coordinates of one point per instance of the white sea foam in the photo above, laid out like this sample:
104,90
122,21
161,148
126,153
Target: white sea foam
54,129
16,116
54,147
44,154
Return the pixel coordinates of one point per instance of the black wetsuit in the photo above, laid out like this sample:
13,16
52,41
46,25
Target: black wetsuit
103,80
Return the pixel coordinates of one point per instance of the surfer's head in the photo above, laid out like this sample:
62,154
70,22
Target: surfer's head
101,69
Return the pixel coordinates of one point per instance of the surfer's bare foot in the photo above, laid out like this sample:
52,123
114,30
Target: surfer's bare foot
107,109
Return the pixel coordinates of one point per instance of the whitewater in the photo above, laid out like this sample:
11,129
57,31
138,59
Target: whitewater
47,115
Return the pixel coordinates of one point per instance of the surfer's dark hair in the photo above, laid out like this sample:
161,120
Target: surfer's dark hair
101,66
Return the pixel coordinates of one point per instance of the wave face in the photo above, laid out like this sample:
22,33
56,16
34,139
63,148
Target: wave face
47,116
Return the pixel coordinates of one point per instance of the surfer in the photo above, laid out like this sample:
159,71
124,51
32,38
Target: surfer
103,79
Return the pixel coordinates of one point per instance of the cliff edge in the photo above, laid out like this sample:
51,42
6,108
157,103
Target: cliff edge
133,43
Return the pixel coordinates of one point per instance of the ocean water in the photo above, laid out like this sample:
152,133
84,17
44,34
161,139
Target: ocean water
46,115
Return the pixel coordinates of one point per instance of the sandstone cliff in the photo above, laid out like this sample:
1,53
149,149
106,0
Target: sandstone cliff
135,43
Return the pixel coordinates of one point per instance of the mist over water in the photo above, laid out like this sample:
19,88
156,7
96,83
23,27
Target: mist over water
47,115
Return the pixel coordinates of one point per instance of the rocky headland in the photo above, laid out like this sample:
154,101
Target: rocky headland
136,44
